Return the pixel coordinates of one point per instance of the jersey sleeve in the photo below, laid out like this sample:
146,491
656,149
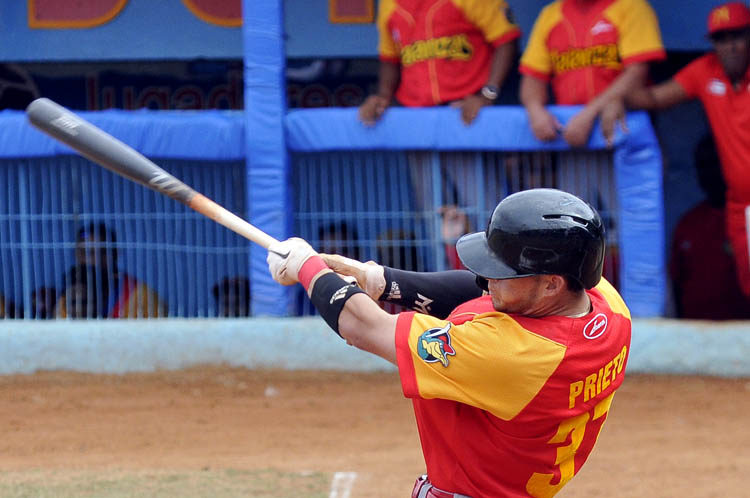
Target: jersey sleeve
388,49
640,37
536,60
492,17
689,77
491,362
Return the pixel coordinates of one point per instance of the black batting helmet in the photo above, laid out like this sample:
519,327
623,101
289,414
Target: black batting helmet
538,231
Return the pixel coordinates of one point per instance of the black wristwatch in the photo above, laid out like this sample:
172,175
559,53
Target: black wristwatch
490,92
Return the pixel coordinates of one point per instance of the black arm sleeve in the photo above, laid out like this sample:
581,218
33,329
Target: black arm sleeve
433,293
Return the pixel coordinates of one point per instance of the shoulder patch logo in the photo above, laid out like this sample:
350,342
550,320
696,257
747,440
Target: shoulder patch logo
596,326
435,345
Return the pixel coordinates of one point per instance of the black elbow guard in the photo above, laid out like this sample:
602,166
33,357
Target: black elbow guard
329,295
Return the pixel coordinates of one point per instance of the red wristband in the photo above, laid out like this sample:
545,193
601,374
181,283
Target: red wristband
310,268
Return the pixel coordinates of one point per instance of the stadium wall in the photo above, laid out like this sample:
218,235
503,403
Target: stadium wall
122,346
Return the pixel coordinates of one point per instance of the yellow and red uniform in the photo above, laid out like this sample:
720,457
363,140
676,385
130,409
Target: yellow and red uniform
728,112
508,405
582,46
444,47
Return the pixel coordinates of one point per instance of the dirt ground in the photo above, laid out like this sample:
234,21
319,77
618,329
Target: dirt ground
665,436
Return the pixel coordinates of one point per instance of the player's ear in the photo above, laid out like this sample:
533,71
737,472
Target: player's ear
552,284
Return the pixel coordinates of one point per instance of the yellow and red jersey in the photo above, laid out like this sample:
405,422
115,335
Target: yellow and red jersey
509,405
444,47
581,46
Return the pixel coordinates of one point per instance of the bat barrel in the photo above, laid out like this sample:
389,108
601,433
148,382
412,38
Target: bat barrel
104,149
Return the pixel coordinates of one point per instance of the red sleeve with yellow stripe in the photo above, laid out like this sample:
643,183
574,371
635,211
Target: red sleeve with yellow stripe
492,18
640,38
388,49
536,60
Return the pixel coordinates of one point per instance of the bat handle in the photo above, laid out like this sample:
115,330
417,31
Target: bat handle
221,215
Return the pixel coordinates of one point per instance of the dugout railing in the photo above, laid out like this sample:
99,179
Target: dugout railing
373,193
442,162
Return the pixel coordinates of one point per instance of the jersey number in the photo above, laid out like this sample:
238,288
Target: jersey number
540,484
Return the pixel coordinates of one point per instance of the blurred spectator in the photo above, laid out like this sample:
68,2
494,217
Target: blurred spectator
436,52
721,80
43,303
9,309
3,307
339,238
232,296
455,223
397,249
701,263
86,293
95,288
592,52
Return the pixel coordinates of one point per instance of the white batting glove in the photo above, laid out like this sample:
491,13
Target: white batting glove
285,270
370,276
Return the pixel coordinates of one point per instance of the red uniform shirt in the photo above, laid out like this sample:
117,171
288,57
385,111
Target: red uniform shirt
509,405
582,46
444,47
728,111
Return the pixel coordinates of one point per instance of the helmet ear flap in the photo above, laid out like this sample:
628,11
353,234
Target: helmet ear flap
483,283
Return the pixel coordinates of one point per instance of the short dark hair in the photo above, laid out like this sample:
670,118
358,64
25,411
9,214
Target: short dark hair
573,284
96,230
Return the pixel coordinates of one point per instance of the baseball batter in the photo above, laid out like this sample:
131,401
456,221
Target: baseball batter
511,388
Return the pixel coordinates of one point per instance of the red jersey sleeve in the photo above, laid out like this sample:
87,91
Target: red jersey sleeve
691,77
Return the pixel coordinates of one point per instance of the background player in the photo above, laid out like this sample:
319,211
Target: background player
499,387
591,53
436,52
721,80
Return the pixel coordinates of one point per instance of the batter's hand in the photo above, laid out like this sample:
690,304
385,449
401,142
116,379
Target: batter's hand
370,276
372,109
285,270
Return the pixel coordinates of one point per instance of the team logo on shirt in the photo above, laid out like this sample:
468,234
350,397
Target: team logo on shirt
596,326
456,47
435,345
717,87
601,26
605,55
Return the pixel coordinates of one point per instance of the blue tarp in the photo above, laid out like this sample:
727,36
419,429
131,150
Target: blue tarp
216,135
208,135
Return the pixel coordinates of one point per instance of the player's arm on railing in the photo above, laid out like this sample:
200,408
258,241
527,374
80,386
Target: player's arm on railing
389,75
655,97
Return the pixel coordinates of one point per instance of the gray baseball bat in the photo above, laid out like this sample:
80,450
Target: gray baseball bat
107,151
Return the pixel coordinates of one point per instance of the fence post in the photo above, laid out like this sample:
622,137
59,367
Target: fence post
268,199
